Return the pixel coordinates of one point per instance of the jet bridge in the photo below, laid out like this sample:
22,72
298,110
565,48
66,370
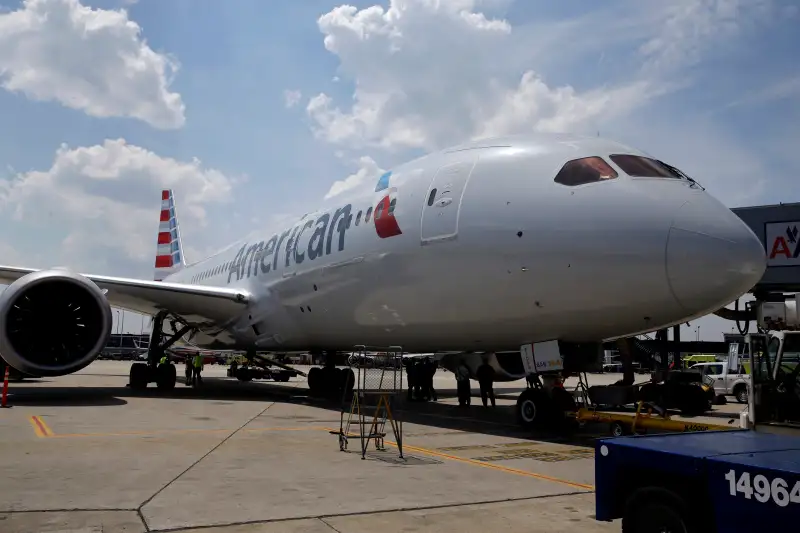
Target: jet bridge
778,228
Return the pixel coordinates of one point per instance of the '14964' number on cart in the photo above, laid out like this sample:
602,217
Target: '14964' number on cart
762,489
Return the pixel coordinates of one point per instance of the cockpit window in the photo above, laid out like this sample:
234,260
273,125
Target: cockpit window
643,167
585,170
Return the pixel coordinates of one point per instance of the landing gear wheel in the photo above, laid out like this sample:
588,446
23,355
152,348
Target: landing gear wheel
139,376
350,380
314,378
166,376
533,409
563,406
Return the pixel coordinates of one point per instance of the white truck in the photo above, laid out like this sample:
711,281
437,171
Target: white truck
726,382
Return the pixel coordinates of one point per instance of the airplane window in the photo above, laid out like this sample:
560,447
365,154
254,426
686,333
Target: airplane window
358,218
585,170
392,205
379,211
643,167
431,197
369,214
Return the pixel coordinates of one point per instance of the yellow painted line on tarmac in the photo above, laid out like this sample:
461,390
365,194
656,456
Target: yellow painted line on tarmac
176,432
484,464
40,427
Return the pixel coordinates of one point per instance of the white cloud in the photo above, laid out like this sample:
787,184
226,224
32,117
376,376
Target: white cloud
431,74
105,200
787,88
427,75
291,97
93,60
368,170
687,29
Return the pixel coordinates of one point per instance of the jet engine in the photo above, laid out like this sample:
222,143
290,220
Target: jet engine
53,323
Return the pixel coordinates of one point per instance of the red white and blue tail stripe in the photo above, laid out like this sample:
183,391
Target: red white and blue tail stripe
169,252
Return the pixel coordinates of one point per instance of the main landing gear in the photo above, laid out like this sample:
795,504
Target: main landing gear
331,382
163,374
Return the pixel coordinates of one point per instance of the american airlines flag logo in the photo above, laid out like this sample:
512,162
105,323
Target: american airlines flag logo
791,234
168,248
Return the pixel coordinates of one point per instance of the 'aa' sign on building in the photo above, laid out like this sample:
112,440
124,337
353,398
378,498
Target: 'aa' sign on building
782,243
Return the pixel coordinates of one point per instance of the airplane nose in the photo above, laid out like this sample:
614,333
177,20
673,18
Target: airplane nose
712,256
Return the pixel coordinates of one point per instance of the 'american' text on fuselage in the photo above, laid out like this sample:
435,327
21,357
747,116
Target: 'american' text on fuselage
264,256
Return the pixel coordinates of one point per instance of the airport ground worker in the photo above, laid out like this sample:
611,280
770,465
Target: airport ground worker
485,375
197,368
462,384
430,371
188,370
408,363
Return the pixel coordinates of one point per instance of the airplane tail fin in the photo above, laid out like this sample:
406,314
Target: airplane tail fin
169,251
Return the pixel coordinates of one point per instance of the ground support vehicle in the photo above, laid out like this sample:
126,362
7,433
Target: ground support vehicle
736,481
648,417
727,381
258,366
249,373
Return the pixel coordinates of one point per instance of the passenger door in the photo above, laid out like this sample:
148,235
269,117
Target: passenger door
716,372
443,202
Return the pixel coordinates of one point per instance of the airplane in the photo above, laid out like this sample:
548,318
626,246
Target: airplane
481,248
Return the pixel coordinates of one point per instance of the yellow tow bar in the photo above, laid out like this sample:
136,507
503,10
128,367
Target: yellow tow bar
645,420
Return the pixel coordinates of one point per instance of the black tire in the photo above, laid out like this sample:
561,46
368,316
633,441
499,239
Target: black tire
693,401
652,393
139,376
314,378
350,380
563,407
533,409
740,391
618,429
656,510
337,383
166,376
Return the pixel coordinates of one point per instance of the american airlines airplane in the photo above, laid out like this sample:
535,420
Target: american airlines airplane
479,248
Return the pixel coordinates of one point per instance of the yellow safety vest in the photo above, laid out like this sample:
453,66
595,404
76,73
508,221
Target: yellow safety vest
163,360
198,361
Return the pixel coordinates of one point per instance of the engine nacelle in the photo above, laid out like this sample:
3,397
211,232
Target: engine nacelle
53,323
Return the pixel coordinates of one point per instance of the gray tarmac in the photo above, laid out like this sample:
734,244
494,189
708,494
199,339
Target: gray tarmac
83,453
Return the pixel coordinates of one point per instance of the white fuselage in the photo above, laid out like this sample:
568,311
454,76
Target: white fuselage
492,254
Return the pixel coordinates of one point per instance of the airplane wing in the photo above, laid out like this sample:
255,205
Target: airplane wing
194,303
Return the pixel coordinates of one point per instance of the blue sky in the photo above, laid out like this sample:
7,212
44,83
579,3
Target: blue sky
710,86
